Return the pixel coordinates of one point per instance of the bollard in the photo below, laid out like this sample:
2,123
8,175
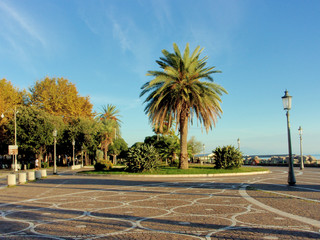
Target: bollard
43,173
12,180
38,174
31,176
22,178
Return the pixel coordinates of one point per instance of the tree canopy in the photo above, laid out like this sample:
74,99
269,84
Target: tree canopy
9,97
60,97
182,89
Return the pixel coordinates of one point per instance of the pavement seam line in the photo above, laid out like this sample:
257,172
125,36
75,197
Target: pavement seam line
246,196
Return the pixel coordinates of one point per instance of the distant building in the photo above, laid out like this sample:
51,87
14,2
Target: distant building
203,157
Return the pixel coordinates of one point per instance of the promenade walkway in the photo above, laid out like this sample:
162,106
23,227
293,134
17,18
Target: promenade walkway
70,206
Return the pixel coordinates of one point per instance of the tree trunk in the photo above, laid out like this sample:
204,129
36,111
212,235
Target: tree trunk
183,163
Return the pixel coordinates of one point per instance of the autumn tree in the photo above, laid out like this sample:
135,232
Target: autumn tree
60,97
10,97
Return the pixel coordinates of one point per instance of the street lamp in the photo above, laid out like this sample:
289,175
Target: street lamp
204,147
286,100
54,133
15,137
82,156
301,157
238,140
73,143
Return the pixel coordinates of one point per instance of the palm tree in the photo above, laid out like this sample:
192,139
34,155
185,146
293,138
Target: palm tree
177,93
110,119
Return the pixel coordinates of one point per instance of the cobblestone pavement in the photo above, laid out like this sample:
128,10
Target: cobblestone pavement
230,207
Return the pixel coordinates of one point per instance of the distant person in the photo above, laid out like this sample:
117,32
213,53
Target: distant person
36,163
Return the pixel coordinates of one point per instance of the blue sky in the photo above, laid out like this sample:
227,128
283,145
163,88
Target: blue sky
106,48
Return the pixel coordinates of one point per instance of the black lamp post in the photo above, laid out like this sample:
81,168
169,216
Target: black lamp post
301,157
73,143
54,133
286,100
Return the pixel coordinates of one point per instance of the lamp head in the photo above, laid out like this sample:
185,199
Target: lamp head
54,133
286,100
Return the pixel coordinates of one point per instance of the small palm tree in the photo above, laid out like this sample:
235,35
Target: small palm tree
110,119
177,92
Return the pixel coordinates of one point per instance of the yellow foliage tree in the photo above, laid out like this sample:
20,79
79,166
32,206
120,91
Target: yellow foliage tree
9,97
60,97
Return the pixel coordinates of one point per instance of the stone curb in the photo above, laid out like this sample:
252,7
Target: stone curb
179,175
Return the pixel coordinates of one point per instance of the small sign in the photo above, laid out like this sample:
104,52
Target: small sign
13,149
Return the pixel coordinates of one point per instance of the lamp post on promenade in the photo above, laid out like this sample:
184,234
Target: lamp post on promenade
73,143
82,156
204,147
15,138
286,100
54,133
301,157
238,140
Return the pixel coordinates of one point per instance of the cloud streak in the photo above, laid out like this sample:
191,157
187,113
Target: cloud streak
21,23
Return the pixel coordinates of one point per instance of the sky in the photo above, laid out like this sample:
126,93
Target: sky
106,48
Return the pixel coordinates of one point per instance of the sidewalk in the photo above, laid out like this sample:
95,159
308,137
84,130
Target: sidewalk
110,207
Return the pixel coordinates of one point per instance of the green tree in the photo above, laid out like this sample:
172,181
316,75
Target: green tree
177,92
194,146
167,146
111,126
86,134
34,130
119,145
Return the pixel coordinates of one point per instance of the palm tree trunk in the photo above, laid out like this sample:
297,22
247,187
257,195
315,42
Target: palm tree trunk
183,164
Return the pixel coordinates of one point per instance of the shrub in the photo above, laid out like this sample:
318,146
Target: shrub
227,157
103,165
44,164
142,158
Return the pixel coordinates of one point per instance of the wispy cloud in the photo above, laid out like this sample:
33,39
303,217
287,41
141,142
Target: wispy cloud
120,33
19,22
162,12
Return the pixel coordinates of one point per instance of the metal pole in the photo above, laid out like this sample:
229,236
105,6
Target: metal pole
15,138
55,156
301,156
291,177
73,153
81,156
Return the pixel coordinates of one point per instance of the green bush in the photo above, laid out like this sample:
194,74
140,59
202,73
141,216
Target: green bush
103,165
227,157
44,164
142,158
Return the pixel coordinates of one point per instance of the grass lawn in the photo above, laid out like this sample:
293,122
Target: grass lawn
193,169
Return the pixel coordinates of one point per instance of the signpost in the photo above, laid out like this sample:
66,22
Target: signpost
13,150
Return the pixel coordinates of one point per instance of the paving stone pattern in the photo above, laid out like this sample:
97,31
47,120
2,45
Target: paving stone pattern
233,207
